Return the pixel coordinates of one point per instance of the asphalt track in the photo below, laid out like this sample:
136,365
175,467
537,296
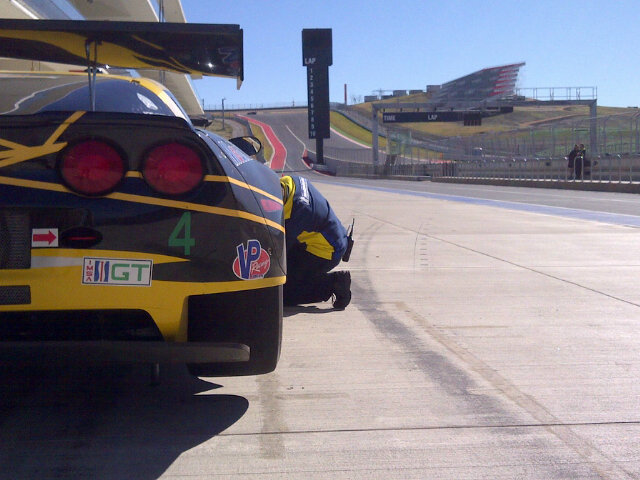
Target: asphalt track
493,334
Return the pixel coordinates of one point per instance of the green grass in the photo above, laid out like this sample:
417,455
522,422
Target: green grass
523,125
521,117
216,127
354,131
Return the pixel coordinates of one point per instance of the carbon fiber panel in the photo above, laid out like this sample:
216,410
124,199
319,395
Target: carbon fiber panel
15,240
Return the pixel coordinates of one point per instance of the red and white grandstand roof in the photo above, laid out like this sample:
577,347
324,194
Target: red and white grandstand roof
489,83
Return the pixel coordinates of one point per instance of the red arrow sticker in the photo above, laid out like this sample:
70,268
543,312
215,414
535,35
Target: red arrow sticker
44,237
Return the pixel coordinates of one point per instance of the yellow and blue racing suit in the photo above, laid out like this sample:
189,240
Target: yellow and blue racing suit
316,241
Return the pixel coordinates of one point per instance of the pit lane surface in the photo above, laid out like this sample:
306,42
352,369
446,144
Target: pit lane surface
482,342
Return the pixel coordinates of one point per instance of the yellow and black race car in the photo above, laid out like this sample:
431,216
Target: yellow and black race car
126,233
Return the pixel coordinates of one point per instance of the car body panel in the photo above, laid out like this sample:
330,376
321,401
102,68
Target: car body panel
227,201
68,258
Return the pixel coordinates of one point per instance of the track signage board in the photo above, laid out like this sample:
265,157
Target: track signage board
469,118
318,101
317,56
408,117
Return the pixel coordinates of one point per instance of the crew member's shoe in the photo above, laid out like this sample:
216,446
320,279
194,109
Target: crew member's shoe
341,290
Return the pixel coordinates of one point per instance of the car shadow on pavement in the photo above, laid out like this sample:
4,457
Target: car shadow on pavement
105,421
310,309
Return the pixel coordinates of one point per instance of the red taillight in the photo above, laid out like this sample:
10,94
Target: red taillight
173,169
91,167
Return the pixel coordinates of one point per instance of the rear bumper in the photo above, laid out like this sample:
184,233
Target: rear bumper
123,351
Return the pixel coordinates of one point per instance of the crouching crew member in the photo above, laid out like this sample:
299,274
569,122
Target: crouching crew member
316,243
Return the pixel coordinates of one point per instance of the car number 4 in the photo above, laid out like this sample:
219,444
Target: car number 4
181,235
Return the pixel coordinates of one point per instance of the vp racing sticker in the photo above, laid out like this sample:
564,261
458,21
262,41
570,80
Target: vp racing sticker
252,262
116,271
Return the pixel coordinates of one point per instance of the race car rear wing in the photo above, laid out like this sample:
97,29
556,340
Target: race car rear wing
196,49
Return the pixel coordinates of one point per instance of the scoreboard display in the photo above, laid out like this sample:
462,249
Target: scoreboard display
317,56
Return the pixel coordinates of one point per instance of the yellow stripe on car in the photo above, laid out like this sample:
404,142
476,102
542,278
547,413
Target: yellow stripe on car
165,202
165,301
221,178
17,153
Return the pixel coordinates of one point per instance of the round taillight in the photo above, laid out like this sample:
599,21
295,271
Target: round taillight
92,167
173,169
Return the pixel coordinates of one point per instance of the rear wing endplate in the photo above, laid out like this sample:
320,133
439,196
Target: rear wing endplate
191,48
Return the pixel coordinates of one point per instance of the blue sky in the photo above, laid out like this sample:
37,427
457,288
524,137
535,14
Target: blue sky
408,44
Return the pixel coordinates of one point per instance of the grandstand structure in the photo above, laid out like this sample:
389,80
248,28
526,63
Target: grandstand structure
481,88
487,92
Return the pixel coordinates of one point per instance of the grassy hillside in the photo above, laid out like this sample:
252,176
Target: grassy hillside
349,129
216,127
521,117
354,131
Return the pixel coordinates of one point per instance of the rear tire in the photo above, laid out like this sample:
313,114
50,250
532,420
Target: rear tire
250,317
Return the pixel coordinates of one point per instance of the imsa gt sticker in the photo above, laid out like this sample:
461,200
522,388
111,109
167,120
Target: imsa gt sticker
116,271
252,262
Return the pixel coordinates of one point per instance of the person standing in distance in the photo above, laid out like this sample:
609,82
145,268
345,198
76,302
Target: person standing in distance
571,159
316,243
